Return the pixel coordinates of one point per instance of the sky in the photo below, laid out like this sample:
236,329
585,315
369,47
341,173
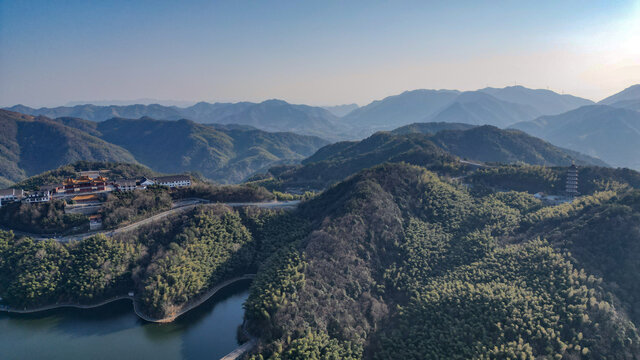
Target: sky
314,52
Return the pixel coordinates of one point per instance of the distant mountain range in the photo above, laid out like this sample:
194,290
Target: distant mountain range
630,93
515,106
489,106
628,104
225,154
270,115
406,108
478,108
545,102
341,110
278,115
500,107
628,98
609,133
143,101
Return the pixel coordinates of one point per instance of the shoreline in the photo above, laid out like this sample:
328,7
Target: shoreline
65,305
194,304
186,308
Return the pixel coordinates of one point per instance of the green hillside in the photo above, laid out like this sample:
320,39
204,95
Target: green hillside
490,144
392,263
600,235
436,149
337,161
31,145
225,154
430,128
402,265
551,180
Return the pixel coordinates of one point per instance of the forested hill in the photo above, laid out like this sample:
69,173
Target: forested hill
30,145
399,264
437,150
490,144
225,154
392,263
430,127
552,180
337,161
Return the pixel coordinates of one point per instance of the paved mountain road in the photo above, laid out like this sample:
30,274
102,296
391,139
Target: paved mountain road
178,207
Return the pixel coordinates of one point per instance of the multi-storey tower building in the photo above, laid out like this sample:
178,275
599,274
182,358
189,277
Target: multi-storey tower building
571,187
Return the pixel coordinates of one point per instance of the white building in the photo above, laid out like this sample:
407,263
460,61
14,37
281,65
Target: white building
126,184
173,181
38,197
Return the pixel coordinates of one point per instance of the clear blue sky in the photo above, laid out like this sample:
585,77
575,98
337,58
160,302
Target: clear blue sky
321,53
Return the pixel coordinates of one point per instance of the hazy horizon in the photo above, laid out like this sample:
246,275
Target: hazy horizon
323,54
181,103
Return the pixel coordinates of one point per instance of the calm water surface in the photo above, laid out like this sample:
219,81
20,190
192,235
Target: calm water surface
113,331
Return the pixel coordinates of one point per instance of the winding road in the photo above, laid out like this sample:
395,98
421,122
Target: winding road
178,207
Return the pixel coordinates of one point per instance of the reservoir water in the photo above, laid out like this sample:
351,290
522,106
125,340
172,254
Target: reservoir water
113,331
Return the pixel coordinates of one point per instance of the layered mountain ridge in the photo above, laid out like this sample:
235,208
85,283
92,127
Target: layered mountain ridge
224,154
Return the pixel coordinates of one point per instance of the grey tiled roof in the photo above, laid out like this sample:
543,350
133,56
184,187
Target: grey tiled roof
5,192
172,178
